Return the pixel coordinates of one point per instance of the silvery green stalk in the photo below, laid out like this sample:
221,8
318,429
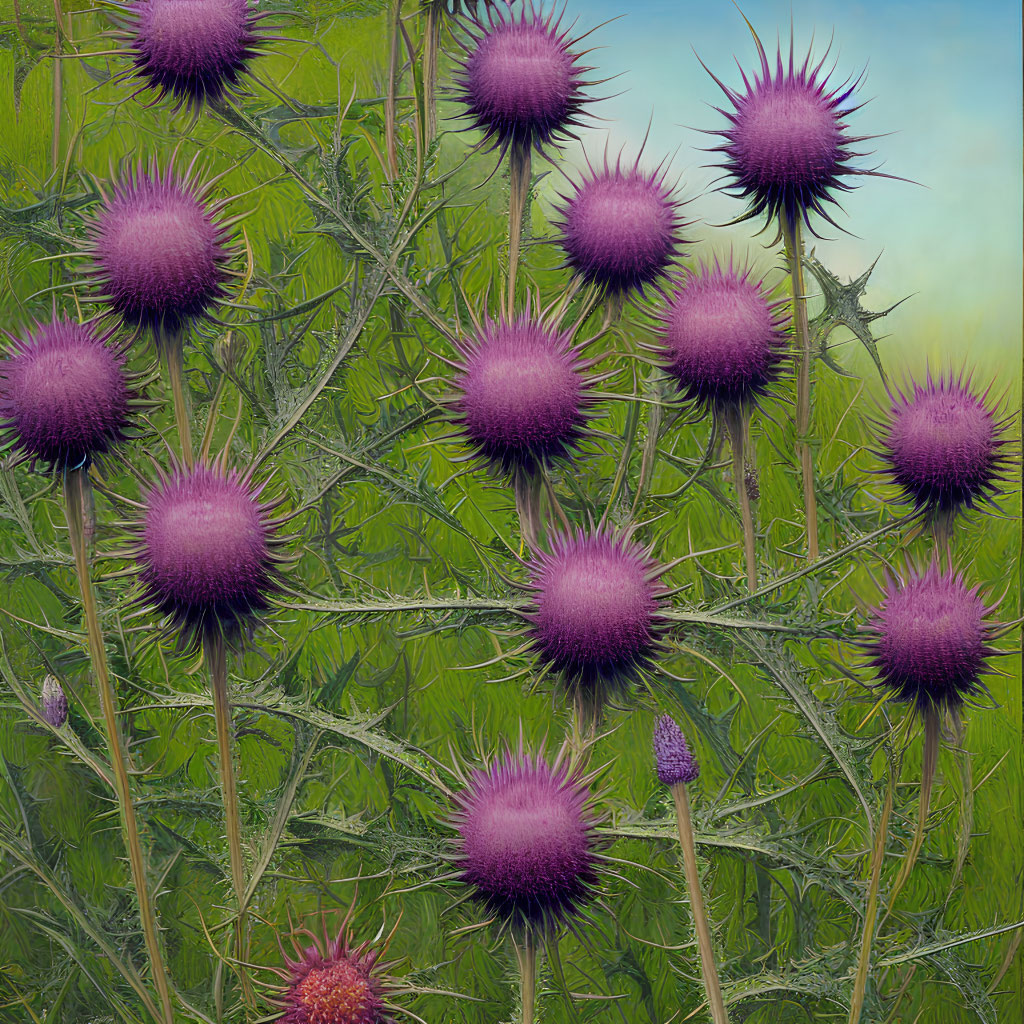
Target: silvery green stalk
677,766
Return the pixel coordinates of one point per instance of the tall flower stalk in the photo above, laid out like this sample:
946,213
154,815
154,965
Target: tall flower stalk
676,766
76,500
793,241
526,954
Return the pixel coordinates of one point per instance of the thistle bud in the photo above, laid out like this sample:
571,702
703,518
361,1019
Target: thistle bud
54,702
675,762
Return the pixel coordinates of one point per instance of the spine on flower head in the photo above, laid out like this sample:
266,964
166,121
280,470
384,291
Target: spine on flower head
54,702
675,762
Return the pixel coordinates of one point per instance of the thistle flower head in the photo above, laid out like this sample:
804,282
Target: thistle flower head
333,982
54,703
521,393
621,229
207,550
159,250
675,763
193,51
64,393
944,445
526,840
521,82
930,643
596,611
788,149
722,336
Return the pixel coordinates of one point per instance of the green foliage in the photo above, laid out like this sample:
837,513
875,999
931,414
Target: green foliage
378,669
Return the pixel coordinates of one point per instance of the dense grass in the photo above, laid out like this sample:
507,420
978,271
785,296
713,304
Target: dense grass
350,711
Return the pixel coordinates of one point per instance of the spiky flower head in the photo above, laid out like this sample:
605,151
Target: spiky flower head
944,445
207,550
674,761
54,703
64,393
521,81
722,336
521,393
526,840
621,229
788,149
929,641
333,982
191,51
159,248
596,614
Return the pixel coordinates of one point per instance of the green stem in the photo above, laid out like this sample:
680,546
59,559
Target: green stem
871,910
432,40
794,256
930,760
519,190
708,970
390,100
216,653
526,952
737,423
174,351
76,488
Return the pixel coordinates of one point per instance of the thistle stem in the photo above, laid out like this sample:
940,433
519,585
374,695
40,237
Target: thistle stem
737,423
519,190
708,971
77,490
526,953
871,910
391,99
175,355
930,760
216,653
794,256
432,41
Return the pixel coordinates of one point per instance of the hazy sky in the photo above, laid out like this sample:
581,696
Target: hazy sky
943,78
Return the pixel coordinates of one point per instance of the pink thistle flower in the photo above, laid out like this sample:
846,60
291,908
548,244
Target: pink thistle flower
160,252
722,336
207,550
621,229
194,51
674,761
332,981
929,641
596,611
527,841
521,393
521,82
944,445
64,393
788,149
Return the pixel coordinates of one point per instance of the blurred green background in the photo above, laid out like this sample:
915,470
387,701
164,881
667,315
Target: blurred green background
339,715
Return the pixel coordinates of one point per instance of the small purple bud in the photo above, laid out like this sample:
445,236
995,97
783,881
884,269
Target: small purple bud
674,760
54,702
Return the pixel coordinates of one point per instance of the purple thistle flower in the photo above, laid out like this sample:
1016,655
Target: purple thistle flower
64,394
194,51
159,249
526,840
54,702
596,614
621,229
521,393
207,550
930,643
521,82
788,148
722,337
944,445
333,982
675,762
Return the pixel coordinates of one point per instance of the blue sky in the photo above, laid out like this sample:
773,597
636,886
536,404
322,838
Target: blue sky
943,78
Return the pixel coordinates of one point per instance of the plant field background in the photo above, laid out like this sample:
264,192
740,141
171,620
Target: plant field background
364,688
